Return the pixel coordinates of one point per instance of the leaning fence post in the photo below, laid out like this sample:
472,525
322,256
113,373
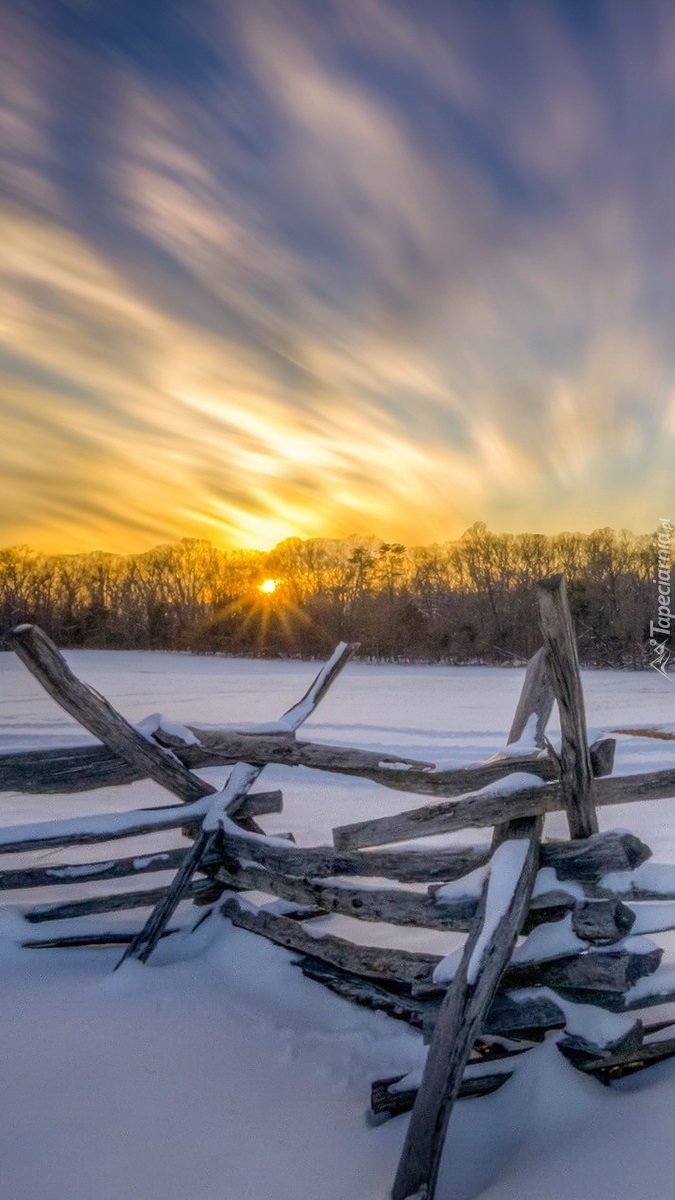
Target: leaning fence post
576,774
487,950
536,700
86,705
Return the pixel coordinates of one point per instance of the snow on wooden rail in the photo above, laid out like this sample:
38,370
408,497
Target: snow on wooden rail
585,906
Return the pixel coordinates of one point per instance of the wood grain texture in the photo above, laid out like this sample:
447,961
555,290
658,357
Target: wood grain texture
227,805
113,903
313,862
385,1099
576,773
495,808
592,971
620,1065
508,1015
536,700
95,713
460,1019
394,906
375,962
602,922
77,873
224,804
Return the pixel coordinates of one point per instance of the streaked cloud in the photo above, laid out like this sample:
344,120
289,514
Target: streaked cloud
274,269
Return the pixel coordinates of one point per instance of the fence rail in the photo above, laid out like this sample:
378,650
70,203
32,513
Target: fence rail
593,890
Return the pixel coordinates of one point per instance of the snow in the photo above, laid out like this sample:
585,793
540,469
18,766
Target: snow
651,876
242,777
547,881
299,712
156,721
469,886
550,941
219,1071
76,872
113,823
244,727
526,745
394,766
651,918
506,868
503,875
510,784
557,939
587,1021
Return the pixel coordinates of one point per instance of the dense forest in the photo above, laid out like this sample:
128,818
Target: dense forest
467,601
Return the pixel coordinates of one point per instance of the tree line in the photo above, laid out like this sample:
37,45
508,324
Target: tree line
466,601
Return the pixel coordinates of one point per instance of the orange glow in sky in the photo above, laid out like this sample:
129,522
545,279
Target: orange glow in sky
298,270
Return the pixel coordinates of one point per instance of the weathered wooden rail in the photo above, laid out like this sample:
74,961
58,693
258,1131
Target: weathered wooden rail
584,906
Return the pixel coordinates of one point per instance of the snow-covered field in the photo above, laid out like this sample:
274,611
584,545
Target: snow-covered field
220,1073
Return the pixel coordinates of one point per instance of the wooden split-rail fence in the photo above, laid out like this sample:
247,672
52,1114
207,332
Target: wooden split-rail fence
582,905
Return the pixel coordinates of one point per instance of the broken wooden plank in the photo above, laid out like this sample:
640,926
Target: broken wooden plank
602,754
620,1065
528,1016
562,660
657,990
578,1050
462,1013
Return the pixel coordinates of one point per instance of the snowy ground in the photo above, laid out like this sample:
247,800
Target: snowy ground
219,1072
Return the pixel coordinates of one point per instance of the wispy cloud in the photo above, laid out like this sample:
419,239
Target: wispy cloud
282,269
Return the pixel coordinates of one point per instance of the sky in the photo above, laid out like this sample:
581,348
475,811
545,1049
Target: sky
307,268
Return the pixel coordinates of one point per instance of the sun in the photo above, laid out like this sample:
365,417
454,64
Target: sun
268,586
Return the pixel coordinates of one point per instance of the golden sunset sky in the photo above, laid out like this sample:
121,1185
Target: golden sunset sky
279,268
